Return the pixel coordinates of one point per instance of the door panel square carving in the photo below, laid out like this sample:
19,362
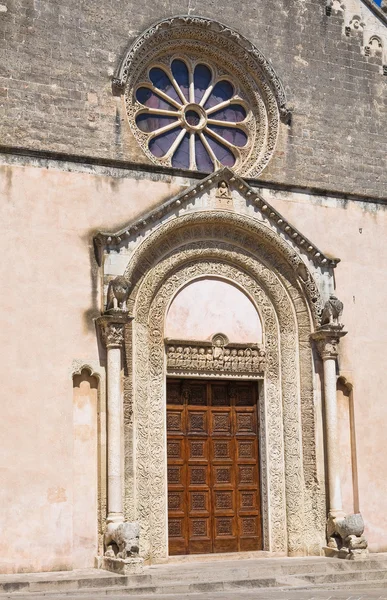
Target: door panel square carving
175,529
174,475
246,449
174,421
173,394
224,500
245,423
174,449
175,501
197,395
221,422
249,525
224,526
199,527
248,500
220,395
245,396
199,501
222,449
197,422
197,449
198,475
246,474
223,475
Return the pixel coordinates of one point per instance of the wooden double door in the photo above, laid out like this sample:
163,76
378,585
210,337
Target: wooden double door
213,467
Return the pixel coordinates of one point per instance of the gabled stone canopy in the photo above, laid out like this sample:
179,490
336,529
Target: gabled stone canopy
112,241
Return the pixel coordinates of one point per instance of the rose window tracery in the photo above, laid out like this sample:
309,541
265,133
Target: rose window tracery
194,116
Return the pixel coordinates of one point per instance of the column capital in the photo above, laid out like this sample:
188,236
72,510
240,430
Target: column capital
327,339
113,329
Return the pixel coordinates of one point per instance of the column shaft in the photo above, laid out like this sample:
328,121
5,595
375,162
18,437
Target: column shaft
114,498
334,480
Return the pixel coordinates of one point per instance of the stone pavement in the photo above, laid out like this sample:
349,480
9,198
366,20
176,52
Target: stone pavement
373,594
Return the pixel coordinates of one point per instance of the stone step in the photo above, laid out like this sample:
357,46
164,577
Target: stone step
347,576
184,577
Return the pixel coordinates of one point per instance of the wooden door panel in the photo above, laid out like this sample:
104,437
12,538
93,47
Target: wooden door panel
213,474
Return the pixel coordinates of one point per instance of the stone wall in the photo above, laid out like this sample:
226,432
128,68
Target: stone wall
57,61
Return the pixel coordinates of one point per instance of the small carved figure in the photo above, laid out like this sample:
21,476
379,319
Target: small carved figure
179,357
227,363
223,190
202,358
171,357
262,360
255,361
122,540
186,356
209,358
194,357
332,311
117,294
241,360
248,359
234,360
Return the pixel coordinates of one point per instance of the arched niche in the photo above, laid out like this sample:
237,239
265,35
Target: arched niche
209,305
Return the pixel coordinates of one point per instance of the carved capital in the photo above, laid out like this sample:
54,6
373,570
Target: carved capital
327,340
113,329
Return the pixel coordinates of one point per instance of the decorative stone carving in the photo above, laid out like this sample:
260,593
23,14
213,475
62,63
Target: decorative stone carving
345,537
122,540
229,245
229,220
231,55
117,295
218,357
332,311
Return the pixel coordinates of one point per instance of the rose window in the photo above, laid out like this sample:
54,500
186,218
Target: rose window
191,116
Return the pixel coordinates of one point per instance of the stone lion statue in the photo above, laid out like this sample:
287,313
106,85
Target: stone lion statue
346,535
332,311
117,294
122,540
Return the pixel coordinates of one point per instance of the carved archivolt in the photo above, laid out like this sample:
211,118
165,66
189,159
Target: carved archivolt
228,54
293,497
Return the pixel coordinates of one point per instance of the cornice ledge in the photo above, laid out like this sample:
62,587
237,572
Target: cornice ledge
104,239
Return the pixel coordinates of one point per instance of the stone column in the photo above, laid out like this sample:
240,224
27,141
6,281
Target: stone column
113,329
327,340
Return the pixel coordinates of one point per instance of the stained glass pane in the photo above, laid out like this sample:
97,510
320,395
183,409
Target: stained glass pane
234,113
230,134
221,92
160,145
203,160
180,73
202,79
150,99
161,81
180,159
222,153
148,122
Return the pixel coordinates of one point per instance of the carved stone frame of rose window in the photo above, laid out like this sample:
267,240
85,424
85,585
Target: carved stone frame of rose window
245,251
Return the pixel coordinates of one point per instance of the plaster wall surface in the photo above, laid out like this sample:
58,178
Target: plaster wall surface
356,233
48,218
209,306
49,271
57,61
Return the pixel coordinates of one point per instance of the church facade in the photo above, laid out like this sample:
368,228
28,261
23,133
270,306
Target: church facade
193,234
